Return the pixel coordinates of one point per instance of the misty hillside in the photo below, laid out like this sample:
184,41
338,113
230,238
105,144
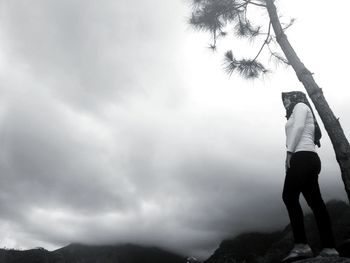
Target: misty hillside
76,253
245,248
272,247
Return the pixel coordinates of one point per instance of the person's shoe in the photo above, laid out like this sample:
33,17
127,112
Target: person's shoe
329,252
300,251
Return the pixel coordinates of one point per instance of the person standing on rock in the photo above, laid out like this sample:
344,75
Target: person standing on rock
303,166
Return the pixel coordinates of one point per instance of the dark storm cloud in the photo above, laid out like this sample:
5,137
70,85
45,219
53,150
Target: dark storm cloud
44,159
132,177
136,177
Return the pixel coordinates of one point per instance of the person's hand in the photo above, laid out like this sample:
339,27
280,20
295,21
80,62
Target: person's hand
289,156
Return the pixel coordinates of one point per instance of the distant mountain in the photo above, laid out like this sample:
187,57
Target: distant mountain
272,247
245,248
77,253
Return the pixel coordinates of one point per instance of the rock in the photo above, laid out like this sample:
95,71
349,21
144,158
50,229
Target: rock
344,248
192,260
325,260
272,247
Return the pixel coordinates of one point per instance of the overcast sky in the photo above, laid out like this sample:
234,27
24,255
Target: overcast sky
117,124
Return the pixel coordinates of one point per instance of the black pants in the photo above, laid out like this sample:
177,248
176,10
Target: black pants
302,177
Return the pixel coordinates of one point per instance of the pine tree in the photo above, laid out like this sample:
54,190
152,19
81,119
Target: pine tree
215,16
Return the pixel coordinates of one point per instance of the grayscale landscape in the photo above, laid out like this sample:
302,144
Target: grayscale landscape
130,133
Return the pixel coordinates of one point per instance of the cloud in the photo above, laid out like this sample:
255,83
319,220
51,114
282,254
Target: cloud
89,53
140,173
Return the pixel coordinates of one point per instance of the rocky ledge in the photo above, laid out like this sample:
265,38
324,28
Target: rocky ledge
325,260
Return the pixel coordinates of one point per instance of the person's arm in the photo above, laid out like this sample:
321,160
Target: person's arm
300,113
293,138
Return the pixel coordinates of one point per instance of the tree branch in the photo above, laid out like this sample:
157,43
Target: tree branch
278,56
238,7
265,42
253,3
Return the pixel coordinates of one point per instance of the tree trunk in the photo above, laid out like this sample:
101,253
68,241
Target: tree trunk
331,123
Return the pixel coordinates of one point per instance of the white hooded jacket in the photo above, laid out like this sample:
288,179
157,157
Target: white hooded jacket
300,129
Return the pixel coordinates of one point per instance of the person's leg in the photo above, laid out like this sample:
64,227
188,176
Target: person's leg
290,196
312,195
291,192
316,203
